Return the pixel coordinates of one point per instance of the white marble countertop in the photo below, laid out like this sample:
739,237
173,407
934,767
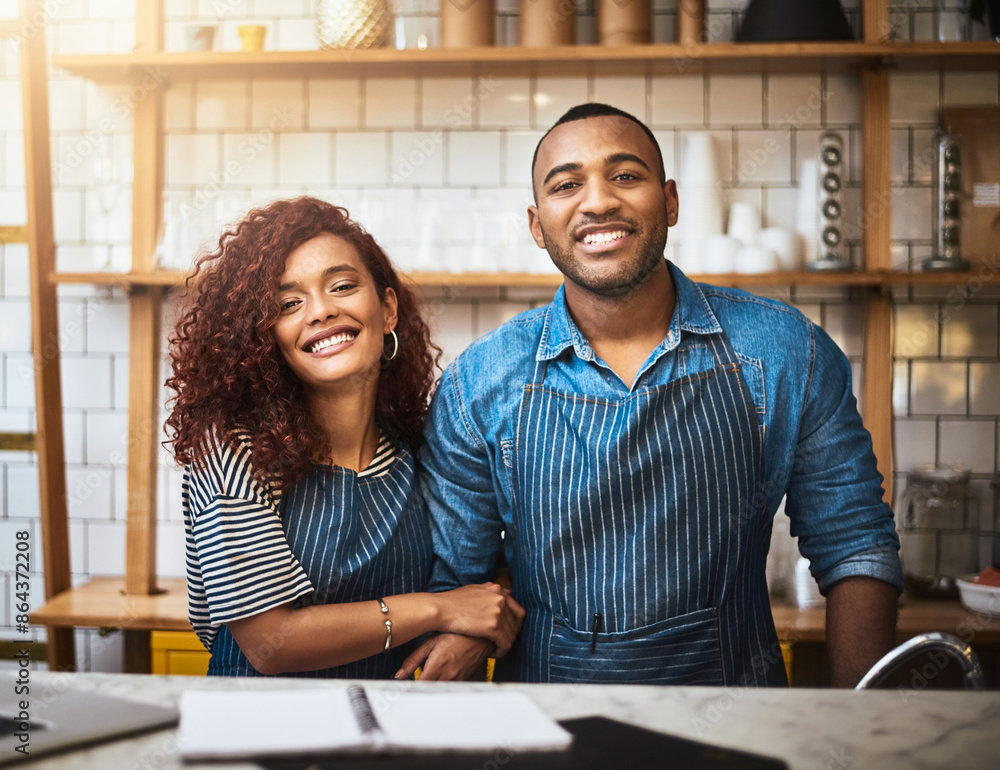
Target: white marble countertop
807,728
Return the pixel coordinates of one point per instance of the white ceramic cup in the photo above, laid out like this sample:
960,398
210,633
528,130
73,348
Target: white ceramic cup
754,259
744,223
718,254
785,244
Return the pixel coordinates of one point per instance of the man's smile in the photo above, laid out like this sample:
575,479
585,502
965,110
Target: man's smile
603,237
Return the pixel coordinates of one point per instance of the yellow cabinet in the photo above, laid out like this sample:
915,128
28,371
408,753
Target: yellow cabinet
178,652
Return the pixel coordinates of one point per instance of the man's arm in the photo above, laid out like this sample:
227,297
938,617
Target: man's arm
458,487
843,526
449,657
860,627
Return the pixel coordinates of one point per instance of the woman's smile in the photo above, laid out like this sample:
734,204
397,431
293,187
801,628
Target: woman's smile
330,341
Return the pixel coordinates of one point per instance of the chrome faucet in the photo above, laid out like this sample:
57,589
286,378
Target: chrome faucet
972,673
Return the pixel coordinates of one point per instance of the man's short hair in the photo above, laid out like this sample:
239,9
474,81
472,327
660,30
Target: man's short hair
597,110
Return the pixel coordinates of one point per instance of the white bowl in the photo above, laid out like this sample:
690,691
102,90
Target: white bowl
977,597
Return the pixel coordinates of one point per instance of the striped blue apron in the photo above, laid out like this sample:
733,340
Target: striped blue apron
357,539
639,542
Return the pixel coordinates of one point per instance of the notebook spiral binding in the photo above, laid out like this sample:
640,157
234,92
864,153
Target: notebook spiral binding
362,709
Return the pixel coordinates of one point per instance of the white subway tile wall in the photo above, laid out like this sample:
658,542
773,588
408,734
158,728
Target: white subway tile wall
438,168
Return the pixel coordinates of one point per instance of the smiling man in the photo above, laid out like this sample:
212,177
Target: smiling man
627,446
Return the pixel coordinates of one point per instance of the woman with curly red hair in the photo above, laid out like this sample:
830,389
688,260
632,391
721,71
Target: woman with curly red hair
302,370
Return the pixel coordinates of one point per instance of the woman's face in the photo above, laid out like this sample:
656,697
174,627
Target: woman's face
331,324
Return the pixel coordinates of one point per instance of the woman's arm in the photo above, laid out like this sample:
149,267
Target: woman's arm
283,639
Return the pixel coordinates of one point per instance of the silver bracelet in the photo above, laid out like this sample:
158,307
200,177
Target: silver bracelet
388,626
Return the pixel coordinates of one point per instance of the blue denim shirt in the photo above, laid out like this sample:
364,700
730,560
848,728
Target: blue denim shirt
816,450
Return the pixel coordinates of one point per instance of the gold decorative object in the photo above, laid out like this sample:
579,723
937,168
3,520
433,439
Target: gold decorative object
353,23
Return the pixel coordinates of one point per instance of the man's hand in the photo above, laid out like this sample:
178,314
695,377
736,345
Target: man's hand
448,657
860,627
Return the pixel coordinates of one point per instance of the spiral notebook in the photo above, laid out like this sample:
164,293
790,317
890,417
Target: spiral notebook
229,724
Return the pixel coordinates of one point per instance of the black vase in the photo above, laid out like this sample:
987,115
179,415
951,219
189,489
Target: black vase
787,20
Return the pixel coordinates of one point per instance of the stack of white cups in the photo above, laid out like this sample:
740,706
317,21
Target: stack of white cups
749,249
701,200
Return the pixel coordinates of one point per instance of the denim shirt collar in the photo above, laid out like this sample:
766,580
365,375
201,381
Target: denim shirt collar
692,314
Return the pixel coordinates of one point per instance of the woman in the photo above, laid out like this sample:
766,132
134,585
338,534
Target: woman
302,370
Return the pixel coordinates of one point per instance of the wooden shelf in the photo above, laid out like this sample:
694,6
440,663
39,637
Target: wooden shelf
174,278
917,615
952,57
103,603
721,58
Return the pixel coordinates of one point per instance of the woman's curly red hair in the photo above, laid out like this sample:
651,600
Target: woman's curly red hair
228,373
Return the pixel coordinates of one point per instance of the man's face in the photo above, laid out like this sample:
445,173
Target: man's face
602,212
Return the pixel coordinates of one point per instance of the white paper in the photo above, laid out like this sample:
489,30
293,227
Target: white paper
468,721
247,723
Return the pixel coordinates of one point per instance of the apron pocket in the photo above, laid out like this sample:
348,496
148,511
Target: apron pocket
681,650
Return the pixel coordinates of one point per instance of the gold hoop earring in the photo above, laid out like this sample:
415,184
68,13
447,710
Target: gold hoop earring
395,347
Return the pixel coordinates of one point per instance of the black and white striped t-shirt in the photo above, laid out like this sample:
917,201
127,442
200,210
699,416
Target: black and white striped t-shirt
239,562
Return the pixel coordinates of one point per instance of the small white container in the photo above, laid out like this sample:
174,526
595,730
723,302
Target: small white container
718,254
754,259
978,597
785,244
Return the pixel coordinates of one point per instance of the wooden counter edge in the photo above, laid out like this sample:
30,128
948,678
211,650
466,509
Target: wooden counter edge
917,615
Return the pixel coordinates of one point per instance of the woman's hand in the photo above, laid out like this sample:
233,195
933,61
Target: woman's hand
485,610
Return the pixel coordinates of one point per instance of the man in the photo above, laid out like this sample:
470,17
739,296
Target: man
628,445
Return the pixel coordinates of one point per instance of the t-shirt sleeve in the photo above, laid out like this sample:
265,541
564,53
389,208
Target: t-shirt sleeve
247,564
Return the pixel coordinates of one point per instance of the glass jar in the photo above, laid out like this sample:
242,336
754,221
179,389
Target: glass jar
939,530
